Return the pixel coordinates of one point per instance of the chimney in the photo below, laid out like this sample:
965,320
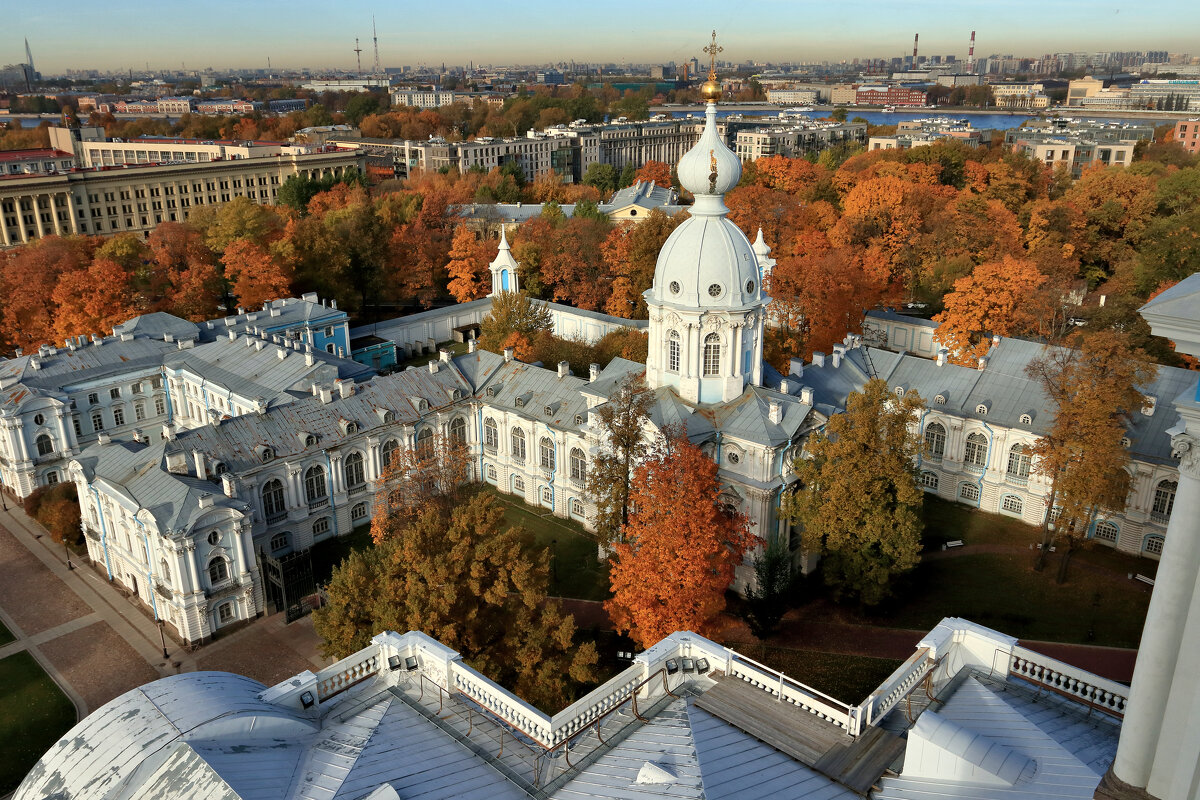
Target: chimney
35,363
341,351
471,345
104,438
783,387
275,311
983,362
281,353
258,344
96,340
775,412
241,310
444,355
309,358
593,372
508,354
228,485
433,367
333,304
564,369
345,388
818,359
198,461
18,352
995,339
126,337
806,395
206,500
941,356
326,395
839,352
169,431
232,335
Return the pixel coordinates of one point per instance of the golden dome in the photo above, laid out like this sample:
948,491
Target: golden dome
711,90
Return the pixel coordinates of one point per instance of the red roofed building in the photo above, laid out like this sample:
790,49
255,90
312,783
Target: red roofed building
43,161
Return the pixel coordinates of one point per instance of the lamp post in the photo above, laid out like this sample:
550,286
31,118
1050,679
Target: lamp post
67,550
554,559
163,638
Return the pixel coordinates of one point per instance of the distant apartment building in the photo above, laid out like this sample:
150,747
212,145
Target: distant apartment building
1028,96
1187,133
907,141
791,97
1168,95
46,161
1080,89
134,198
891,95
92,149
843,95
228,106
422,99
1078,146
348,85
287,106
795,141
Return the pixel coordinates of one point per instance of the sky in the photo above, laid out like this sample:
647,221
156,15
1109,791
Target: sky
121,34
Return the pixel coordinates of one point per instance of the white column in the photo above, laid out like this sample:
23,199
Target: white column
37,217
1169,656
4,225
54,214
74,219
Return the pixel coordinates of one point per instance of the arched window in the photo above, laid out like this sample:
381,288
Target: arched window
491,434
546,452
458,430
45,445
673,351
490,473
1012,504
712,354
272,497
518,445
578,465
279,541
575,506
1018,462
424,443
218,570
929,480
355,475
976,452
1164,501
321,526
388,451
314,484
968,491
359,511
1106,531
935,440
1154,544
164,569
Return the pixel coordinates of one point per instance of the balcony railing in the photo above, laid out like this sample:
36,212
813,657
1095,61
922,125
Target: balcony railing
974,469
1016,480
353,490
223,589
319,502
1068,680
278,516
1159,519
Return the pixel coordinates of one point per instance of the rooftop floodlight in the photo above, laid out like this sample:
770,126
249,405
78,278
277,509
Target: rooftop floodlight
393,663
672,666
702,666
410,663
688,665
307,700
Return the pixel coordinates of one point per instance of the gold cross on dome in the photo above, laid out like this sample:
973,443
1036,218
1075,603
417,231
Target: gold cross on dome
712,51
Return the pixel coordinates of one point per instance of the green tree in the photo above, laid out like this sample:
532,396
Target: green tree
621,427
858,502
469,583
628,175
513,313
839,114
765,600
602,176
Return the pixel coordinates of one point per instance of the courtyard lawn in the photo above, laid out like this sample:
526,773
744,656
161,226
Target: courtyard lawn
846,678
1002,591
6,635
946,521
34,714
576,570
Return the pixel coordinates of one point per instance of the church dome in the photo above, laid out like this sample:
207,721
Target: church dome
710,169
706,262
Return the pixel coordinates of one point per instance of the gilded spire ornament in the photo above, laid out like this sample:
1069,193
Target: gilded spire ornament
711,90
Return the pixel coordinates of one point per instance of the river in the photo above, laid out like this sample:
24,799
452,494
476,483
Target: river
979,121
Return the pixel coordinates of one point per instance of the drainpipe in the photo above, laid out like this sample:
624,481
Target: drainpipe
149,571
103,531
987,459
167,390
479,438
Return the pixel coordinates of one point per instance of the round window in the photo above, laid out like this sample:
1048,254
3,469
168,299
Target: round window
214,537
38,419
749,287
714,290
734,458
674,287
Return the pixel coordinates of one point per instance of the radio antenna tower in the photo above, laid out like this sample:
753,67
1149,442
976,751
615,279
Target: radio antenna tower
375,37
358,54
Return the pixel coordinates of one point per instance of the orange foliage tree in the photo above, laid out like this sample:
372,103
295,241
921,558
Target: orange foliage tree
994,299
255,276
92,300
28,278
655,172
680,547
468,267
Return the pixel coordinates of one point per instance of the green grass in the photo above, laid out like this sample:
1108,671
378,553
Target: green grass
1003,592
6,635
34,714
846,678
577,571
946,521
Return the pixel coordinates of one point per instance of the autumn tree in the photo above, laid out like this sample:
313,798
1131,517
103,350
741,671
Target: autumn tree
470,583
620,424
1093,389
255,276
28,278
858,500
92,300
655,172
513,313
431,475
997,298
680,547
468,267
631,254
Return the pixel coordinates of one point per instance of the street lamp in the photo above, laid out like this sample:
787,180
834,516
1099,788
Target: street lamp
67,550
163,638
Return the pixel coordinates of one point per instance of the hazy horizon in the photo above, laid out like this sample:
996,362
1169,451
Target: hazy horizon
122,34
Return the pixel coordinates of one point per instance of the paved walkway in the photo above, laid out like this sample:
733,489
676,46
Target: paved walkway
98,644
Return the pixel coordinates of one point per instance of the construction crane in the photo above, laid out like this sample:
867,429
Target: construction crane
358,55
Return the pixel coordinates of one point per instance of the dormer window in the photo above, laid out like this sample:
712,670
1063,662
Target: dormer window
1125,442
981,409
310,440
579,419
548,411
349,427
899,391
940,400
490,391
389,416
521,402
1026,419
456,394
422,405
265,454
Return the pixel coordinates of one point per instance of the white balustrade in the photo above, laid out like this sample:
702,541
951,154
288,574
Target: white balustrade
502,703
897,686
792,691
350,670
1100,693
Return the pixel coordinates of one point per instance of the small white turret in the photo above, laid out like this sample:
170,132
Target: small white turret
762,252
504,269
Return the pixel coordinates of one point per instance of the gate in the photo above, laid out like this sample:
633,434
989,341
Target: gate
288,584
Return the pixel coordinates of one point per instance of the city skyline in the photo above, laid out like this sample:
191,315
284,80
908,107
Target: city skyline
121,35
